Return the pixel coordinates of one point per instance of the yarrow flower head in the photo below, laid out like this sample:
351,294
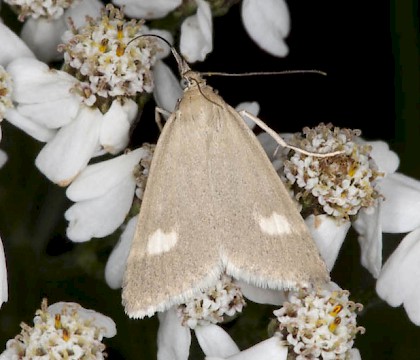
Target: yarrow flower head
100,56
5,92
338,185
50,10
319,325
214,305
62,331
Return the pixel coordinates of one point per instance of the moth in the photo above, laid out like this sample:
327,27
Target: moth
213,203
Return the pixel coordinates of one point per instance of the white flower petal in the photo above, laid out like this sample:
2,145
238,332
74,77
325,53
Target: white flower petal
259,295
328,235
4,294
252,107
401,207
368,225
355,354
43,36
165,50
97,179
100,320
80,10
270,349
271,148
12,46
173,340
68,153
214,341
148,9
8,354
49,113
3,158
116,264
38,132
197,34
101,216
35,82
386,159
267,23
167,89
399,281
114,135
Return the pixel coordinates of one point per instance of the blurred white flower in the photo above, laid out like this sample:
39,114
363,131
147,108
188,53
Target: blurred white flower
267,22
61,331
4,292
197,34
399,281
394,210
145,9
46,21
98,91
12,46
103,194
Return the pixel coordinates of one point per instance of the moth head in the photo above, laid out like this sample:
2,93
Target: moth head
191,78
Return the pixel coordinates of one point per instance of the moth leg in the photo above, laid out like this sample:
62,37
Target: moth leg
280,141
158,118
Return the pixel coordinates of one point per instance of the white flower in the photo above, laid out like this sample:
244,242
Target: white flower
201,314
104,194
12,47
174,342
399,281
115,266
197,34
267,22
393,211
99,110
319,324
46,21
62,331
145,9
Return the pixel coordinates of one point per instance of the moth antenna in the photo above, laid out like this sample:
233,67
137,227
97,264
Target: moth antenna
256,73
281,142
183,66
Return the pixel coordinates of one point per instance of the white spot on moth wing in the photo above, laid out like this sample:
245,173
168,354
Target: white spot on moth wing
160,242
276,224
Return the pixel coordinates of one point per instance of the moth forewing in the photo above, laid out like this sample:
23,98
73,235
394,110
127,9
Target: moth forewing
213,203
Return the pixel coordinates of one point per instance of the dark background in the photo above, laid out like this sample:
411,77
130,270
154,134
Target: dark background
370,51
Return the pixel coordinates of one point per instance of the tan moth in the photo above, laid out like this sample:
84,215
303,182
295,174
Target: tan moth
213,203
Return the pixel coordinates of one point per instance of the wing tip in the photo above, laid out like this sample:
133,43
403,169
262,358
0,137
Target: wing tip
135,310
272,283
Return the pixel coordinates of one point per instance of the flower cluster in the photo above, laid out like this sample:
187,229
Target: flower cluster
40,8
62,331
213,305
99,55
338,185
319,325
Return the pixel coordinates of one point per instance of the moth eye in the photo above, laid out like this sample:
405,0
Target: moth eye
184,83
